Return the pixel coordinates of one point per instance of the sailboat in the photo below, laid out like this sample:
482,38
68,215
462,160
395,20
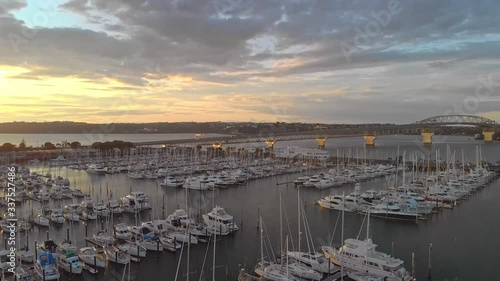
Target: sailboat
268,270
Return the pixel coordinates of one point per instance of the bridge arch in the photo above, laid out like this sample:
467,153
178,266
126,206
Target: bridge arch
457,119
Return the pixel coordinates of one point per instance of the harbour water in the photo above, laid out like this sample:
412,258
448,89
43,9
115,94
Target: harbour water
464,239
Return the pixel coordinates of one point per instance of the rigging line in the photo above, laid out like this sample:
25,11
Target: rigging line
335,228
179,263
270,244
288,226
361,228
308,230
205,258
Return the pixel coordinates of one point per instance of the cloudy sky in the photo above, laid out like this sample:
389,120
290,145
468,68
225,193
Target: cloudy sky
248,60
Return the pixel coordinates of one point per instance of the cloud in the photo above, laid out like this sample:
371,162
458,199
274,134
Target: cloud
237,58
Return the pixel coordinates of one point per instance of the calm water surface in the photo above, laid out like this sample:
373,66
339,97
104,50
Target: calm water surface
465,240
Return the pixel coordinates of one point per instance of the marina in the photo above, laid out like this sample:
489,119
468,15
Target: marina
161,219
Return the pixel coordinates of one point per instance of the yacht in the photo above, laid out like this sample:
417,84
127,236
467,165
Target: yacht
87,203
56,216
220,222
78,193
198,183
115,207
88,215
314,260
101,209
4,260
171,181
389,210
360,255
182,216
92,256
43,195
22,274
103,239
40,220
358,276
274,272
301,180
325,182
74,208
136,200
122,232
46,267
68,260
96,169
334,202
71,216
116,255
134,248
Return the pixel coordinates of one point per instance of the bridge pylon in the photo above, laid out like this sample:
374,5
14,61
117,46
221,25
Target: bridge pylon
370,137
427,133
488,133
270,143
321,141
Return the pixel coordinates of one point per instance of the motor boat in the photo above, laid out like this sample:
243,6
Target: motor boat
68,260
56,216
314,260
115,207
122,232
361,256
46,267
92,256
101,209
171,181
220,222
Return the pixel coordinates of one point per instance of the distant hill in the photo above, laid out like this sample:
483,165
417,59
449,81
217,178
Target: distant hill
64,127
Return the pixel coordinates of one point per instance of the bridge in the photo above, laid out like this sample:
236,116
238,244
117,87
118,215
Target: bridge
424,127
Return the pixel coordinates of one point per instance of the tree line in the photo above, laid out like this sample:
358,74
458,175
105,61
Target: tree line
101,146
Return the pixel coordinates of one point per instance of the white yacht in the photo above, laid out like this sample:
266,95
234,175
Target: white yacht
122,231
171,181
68,260
314,260
103,239
96,169
88,215
101,209
74,208
115,207
40,220
198,183
136,200
358,276
220,222
360,255
334,202
71,216
181,216
325,182
274,272
116,255
92,256
56,216
87,203
4,259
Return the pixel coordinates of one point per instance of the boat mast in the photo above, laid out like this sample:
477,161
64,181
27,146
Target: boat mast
298,214
281,235
342,238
